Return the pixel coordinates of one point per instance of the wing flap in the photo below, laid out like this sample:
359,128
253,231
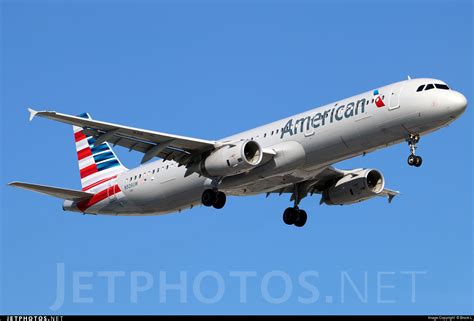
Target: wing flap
63,193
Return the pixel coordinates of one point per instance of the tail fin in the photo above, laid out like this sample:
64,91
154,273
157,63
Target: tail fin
97,164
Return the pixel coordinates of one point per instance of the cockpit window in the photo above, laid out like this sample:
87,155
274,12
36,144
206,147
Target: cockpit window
429,86
420,88
442,86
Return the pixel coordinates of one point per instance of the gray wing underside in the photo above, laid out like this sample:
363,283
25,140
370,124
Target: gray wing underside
183,150
186,151
319,183
315,185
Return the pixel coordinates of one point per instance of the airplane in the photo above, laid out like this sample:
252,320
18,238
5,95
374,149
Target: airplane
292,156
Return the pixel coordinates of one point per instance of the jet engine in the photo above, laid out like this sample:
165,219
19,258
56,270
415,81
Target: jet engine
233,159
356,186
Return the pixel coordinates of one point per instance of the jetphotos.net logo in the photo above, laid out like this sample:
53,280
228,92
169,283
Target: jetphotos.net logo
274,287
378,100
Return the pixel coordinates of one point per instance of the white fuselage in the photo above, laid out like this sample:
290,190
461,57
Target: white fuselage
305,144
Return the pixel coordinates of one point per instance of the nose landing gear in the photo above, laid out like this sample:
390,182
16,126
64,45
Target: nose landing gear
414,160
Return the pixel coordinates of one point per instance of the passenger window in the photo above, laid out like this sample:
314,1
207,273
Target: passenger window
265,135
420,88
277,131
441,86
140,176
272,132
429,86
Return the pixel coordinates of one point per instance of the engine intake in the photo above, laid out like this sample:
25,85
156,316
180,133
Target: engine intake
354,187
234,159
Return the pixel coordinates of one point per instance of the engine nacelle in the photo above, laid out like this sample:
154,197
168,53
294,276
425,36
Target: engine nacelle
356,186
234,159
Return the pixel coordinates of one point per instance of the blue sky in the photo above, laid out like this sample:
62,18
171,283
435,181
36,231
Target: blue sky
208,70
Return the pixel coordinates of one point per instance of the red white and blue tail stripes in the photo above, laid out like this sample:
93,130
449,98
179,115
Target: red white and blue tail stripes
98,167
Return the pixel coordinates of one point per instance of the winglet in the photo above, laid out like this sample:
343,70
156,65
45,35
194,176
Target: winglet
390,198
32,113
390,194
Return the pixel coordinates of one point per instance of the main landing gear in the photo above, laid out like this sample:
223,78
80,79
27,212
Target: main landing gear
414,160
213,198
293,215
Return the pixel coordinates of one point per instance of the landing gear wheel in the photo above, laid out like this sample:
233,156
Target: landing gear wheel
411,160
301,218
418,161
213,198
293,215
208,197
220,200
290,215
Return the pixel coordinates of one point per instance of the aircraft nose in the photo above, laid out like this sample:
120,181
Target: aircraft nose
457,102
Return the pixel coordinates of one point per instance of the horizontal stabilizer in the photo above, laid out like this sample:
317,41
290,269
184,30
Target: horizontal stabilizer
66,194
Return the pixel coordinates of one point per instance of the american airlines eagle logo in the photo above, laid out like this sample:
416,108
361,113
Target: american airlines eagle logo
378,101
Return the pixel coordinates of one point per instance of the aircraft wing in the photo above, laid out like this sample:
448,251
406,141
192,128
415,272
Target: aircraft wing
153,144
322,181
390,194
66,194
315,185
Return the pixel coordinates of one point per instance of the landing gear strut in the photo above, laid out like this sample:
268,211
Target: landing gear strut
414,160
213,198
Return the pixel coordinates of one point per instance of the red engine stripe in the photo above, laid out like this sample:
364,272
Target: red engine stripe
83,153
100,196
98,183
79,136
86,171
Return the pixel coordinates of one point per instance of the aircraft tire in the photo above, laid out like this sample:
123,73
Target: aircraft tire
208,197
301,218
220,200
418,161
290,215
